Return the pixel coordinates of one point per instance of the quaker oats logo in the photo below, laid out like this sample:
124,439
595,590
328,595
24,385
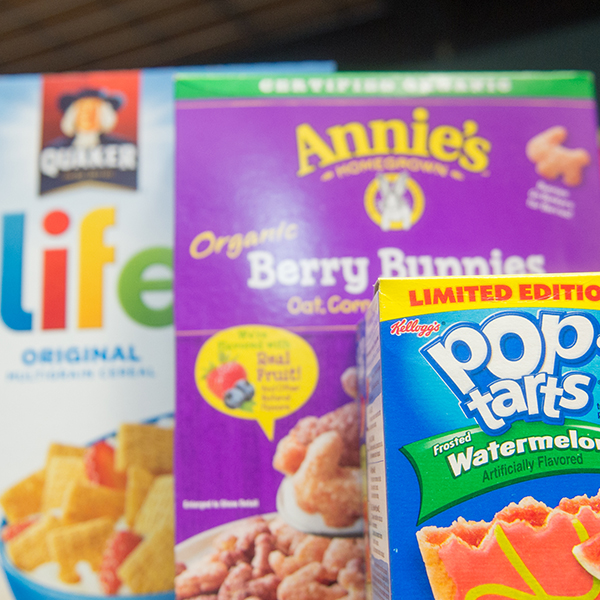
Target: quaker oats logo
394,201
89,131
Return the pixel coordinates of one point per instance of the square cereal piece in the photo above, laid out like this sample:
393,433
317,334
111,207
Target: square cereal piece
60,473
29,549
69,544
64,450
84,501
150,568
139,481
23,498
146,446
157,510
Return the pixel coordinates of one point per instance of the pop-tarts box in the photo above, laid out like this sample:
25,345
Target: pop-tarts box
293,195
86,330
482,437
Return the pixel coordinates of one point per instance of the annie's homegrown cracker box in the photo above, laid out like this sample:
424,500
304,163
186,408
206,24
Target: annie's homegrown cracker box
87,352
483,437
293,194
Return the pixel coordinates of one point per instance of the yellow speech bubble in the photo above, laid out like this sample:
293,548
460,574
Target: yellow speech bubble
256,372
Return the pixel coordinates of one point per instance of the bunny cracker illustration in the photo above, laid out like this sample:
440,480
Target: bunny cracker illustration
553,160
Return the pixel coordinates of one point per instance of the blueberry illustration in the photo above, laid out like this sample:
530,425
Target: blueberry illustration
234,398
243,391
246,387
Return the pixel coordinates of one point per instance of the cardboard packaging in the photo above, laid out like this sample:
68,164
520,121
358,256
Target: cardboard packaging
86,323
483,436
293,195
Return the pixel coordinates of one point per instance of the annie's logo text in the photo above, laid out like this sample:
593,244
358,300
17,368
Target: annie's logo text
445,143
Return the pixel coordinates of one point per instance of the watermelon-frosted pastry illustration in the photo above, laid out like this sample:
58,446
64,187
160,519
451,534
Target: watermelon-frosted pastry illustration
528,551
588,555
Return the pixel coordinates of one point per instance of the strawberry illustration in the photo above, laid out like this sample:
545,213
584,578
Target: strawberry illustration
117,549
224,377
14,529
99,461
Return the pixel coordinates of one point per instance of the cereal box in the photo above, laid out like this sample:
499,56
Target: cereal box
293,195
483,437
86,323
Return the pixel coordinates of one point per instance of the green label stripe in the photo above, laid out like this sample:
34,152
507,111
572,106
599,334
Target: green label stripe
557,84
462,464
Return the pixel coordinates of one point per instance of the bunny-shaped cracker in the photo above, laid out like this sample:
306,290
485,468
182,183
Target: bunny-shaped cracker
552,160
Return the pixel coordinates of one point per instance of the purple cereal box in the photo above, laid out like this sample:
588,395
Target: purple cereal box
293,195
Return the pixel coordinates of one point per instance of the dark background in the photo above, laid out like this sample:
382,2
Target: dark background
62,35
458,34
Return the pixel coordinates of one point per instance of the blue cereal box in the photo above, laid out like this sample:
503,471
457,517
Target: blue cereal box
481,433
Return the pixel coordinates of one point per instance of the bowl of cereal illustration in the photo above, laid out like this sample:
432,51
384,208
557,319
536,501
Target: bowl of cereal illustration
264,557
287,507
321,490
95,520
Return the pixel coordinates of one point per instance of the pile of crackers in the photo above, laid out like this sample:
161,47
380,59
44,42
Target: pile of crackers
68,518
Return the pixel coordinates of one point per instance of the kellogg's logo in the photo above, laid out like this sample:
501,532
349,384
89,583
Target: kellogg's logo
89,131
414,326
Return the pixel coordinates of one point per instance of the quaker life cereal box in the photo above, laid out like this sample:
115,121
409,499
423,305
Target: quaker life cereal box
87,352
483,437
293,195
